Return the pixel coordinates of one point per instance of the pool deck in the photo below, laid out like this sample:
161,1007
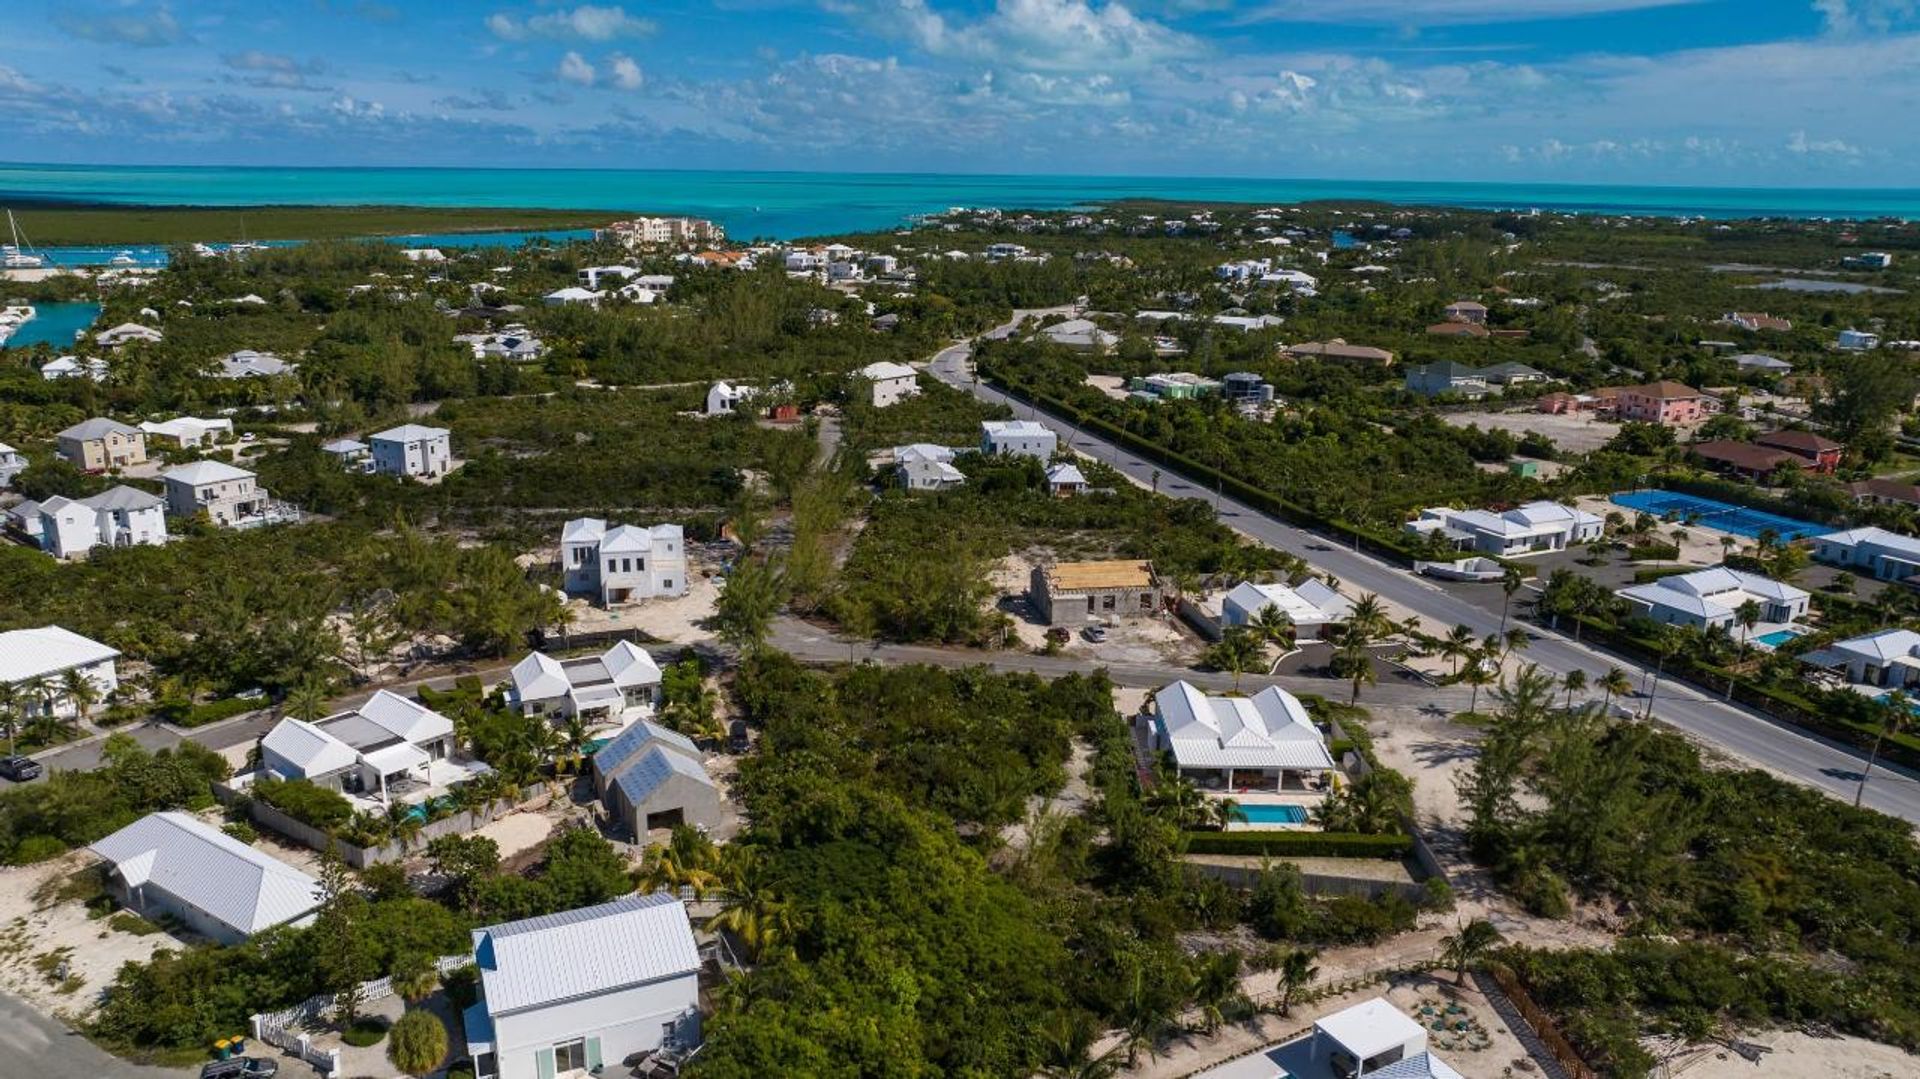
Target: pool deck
1306,800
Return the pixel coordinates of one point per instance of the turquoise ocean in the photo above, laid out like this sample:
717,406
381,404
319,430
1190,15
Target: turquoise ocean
784,205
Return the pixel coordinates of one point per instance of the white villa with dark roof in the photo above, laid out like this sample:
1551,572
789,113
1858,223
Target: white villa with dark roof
1263,742
42,657
616,564
1311,605
1527,529
173,865
412,449
653,778
567,995
1712,597
620,684
388,749
116,517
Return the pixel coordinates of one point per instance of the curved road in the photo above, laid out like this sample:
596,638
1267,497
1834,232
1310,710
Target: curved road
1823,764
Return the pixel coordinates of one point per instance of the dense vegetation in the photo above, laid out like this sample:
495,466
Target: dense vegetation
72,809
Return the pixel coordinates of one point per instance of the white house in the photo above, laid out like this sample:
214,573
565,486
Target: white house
173,865
1021,438
412,450
590,276
116,517
573,296
12,463
1712,597
1080,334
890,382
423,254
247,363
1533,527
189,432
1369,1039
350,453
385,750
653,778
74,367
125,332
1262,742
1857,341
612,688
231,497
1760,361
567,995
923,466
1889,556
1889,658
724,397
43,656
1310,605
1065,480
623,563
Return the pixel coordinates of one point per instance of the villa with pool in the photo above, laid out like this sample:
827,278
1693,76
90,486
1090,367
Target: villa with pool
1265,744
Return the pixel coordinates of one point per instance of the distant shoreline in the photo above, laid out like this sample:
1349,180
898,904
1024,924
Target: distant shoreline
55,222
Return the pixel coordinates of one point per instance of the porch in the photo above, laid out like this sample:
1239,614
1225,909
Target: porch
394,776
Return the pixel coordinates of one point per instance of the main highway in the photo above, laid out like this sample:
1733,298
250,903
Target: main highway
1826,765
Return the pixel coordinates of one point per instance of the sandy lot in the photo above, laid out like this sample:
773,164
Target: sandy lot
666,619
1577,433
517,832
1795,1055
1112,385
36,927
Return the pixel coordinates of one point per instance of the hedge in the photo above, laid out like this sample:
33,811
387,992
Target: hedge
310,805
202,714
1281,844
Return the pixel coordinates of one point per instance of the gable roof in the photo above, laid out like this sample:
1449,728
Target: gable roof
630,743
405,719
643,775
585,952
1271,729
1311,601
887,369
30,653
1066,472
198,472
308,748
237,885
1799,441
97,428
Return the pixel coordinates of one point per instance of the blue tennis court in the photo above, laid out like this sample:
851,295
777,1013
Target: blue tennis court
1725,516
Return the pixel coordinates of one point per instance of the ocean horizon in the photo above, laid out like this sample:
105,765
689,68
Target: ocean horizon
785,205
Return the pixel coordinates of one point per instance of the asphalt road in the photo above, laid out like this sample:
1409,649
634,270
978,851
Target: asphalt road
33,1046
1825,765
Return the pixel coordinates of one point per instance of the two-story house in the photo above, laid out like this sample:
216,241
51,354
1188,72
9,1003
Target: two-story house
564,996
12,463
890,383
1020,438
1820,453
230,496
412,449
1665,402
116,517
615,564
99,444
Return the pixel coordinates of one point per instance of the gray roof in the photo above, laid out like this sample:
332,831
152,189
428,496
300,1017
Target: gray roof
97,428
639,780
123,498
631,742
235,884
582,953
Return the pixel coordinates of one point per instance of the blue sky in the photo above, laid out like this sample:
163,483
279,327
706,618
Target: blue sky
1718,92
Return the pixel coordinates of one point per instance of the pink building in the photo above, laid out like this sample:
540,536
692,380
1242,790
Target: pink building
1666,403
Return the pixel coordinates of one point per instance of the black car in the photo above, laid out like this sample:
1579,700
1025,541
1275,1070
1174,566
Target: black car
19,769
241,1068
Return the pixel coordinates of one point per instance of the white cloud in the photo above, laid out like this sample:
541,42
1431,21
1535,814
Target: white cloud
1039,35
1849,17
584,23
624,72
1442,12
124,25
1798,143
574,68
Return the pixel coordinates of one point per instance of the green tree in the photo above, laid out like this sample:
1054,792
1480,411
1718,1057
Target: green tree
752,909
417,1042
1468,947
1511,582
341,962
1896,715
1238,651
1216,984
743,615
1297,971
1574,681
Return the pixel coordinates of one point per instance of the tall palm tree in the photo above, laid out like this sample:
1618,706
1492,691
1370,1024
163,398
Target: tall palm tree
1896,715
1510,582
752,909
1747,616
10,707
1216,981
1457,644
1369,614
1574,682
1514,640
1668,644
1615,682
1478,674
1296,971
80,691
1355,659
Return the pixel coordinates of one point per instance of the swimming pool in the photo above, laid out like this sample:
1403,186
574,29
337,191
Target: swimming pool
1725,516
1274,814
1778,637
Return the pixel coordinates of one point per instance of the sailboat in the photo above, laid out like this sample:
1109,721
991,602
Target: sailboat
124,258
11,255
244,245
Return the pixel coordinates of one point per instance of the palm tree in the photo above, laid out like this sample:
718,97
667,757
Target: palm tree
1296,970
1510,582
752,909
1354,658
307,702
1514,640
1896,715
1272,626
1615,682
10,702
1457,644
1668,644
1746,616
1239,651
1369,614
1469,946
1143,1014
1216,980
80,691
1478,674
1575,681
1226,811
415,977
676,866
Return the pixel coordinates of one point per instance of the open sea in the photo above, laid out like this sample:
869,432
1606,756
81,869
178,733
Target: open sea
784,205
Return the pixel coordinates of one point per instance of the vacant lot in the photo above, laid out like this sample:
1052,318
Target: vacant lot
1580,433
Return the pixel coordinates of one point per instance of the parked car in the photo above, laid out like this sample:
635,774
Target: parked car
241,1068
19,769
1096,634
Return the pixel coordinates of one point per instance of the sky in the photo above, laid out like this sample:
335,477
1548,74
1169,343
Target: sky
1709,92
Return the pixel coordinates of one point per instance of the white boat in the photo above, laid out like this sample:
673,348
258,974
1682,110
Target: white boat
12,256
124,258
12,318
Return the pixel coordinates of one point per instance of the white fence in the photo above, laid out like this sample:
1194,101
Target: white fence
286,1027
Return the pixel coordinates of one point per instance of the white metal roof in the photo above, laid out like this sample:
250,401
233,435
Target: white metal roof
1014,428
585,952
887,369
122,498
397,757
306,747
1271,729
33,653
1712,592
407,719
202,472
1066,472
1370,1028
539,677
409,432
1311,603
241,887
1882,647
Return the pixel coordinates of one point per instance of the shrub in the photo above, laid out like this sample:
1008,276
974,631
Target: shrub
304,802
36,848
1653,552
1300,844
128,922
366,1030
242,831
1438,895
419,1043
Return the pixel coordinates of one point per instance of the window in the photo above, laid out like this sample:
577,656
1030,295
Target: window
667,583
1107,603
1146,601
570,1056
